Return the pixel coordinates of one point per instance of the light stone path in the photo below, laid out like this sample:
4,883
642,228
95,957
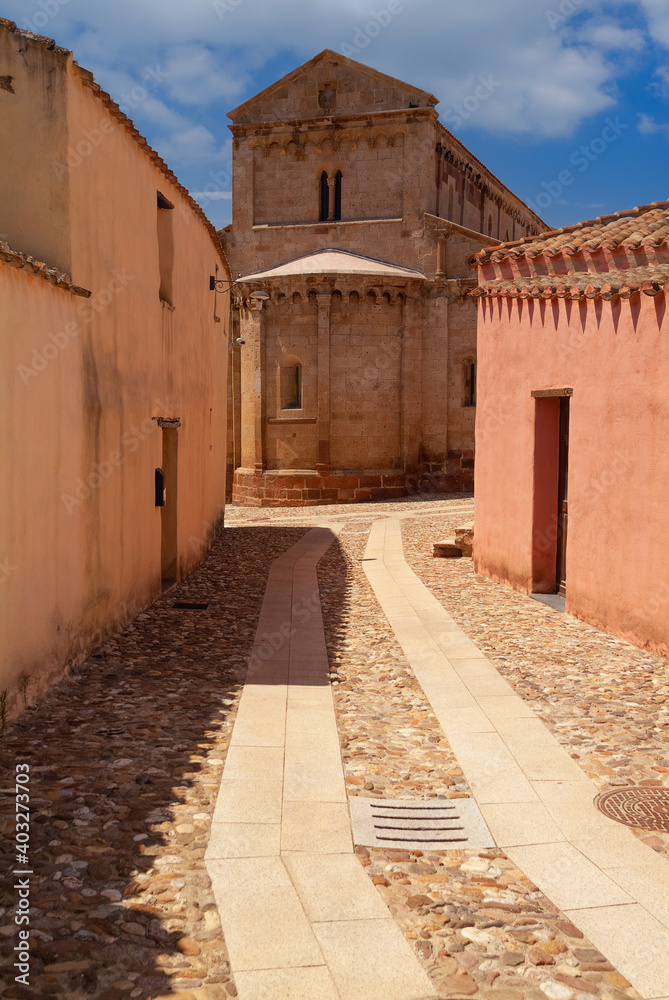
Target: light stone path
536,800
301,919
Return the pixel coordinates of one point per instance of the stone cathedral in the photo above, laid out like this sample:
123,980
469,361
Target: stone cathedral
355,218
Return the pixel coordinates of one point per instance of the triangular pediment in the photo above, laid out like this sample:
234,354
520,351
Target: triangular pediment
330,86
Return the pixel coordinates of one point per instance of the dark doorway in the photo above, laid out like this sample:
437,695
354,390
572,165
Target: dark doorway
562,515
168,547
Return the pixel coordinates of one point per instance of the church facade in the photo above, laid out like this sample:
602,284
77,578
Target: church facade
355,218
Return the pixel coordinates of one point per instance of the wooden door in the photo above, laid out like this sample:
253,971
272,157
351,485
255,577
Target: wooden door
562,511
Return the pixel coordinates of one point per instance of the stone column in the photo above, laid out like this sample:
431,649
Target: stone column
410,384
331,199
435,381
256,349
323,465
441,256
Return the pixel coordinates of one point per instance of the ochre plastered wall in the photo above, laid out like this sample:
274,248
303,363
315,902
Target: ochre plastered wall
78,488
35,146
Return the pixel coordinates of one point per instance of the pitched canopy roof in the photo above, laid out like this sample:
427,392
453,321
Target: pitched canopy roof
332,261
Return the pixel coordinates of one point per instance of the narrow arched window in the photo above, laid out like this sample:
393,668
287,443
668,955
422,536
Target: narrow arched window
337,205
470,381
291,385
450,203
325,197
490,225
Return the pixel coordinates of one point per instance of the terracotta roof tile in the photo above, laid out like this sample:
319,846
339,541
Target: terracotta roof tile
606,285
14,258
646,225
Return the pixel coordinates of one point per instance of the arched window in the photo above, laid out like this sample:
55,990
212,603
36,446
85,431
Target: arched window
337,205
469,366
490,225
291,384
450,203
325,197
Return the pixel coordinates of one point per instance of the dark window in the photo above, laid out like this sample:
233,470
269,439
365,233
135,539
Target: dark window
470,382
291,386
165,247
337,210
325,198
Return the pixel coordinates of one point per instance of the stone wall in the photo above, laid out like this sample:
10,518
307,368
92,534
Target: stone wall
394,400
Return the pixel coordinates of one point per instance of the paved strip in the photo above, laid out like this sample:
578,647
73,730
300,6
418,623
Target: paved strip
301,919
536,800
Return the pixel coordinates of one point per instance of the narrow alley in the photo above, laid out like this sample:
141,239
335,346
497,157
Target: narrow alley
192,784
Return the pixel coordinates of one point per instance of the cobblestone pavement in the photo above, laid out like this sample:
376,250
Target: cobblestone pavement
604,699
126,756
125,760
480,927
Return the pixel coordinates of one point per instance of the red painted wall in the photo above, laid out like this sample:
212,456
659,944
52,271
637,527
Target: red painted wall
615,356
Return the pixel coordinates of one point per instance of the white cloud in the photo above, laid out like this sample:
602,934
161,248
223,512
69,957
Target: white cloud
212,195
608,36
661,84
194,75
648,126
194,144
657,13
552,78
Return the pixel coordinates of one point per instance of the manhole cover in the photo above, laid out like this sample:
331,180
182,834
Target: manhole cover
647,808
419,823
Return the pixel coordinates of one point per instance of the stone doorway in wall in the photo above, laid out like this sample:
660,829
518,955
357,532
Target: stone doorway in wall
563,481
550,518
168,542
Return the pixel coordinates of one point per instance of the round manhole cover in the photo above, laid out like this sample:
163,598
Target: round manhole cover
647,808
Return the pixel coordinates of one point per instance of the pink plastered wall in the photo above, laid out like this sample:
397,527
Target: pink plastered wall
615,357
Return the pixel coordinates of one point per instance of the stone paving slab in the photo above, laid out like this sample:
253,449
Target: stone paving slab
307,918
639,942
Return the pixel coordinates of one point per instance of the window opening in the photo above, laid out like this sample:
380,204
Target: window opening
470,382
337,208
165,247
291,386
325,197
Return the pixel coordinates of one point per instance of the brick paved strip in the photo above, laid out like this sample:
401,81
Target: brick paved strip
300,917
536,801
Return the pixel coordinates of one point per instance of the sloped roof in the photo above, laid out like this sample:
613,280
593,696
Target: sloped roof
23,261
333,261
652,280
414,94
644,226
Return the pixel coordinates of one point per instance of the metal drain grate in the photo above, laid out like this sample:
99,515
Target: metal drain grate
645,807
440,824
190,606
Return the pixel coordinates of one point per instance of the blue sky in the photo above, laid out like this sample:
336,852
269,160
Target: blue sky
577,121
